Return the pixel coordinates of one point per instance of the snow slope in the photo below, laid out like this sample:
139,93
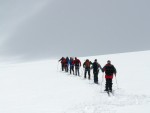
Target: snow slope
40,87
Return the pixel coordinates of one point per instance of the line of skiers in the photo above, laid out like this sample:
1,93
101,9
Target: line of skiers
109,69
66,62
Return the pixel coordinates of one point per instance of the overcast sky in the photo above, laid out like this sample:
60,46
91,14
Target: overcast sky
41,29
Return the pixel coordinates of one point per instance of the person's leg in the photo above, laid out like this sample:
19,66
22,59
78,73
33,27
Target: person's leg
66,67
78,72
106,85
89,74
110,85
85,71
62,67
75,70
96,77
70,69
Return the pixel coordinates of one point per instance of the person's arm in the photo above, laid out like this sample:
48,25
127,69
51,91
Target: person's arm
80,62
115,71
91,63
84,65
100,67
69,62
59,60
91,66
103,69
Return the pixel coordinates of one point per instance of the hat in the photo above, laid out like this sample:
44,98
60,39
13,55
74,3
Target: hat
108,61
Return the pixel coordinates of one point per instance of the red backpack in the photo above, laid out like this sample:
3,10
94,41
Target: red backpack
87,64
77,62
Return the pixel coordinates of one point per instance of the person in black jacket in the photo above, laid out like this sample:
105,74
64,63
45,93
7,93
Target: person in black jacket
95,68
66,64
71,63
63,60
109,70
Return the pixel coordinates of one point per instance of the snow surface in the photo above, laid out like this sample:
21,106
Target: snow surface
41,87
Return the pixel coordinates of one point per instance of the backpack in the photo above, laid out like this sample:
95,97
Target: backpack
95,67
71,62
109,69
77,62
87,64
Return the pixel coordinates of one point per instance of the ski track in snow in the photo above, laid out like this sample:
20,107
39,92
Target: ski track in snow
105,104
102,103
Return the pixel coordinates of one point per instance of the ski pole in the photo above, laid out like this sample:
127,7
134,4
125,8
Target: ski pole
57,65
102,78
83,70
102,81
116,81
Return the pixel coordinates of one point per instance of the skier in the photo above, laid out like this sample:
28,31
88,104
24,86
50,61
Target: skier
71,63
109,70
77,64
66,64
95,68
62,63
87,65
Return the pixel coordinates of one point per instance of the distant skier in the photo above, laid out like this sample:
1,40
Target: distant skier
109,70
71,63
63,60
77,64
95,68
66,64
87,65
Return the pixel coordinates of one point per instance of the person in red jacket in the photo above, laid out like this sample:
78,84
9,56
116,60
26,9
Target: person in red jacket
109,70
77,64
87,65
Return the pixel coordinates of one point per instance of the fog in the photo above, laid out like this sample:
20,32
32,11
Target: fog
43,29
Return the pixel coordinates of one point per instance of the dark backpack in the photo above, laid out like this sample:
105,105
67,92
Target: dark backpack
109,70
95,67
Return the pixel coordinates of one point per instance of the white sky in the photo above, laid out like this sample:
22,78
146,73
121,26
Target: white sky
39,29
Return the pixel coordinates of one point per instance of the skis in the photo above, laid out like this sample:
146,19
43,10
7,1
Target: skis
110,93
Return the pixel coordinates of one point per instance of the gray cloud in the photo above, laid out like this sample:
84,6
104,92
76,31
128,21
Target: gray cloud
80,28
